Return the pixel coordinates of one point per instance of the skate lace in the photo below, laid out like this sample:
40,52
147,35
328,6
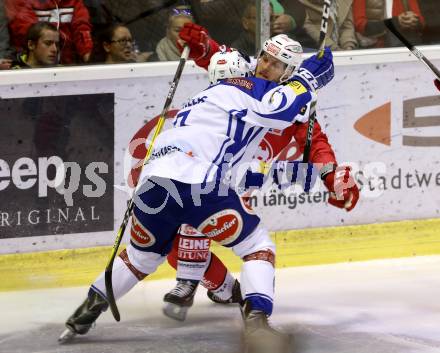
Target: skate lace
183,288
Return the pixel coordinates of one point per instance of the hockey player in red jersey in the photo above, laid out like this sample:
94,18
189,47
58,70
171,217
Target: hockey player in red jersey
197,263
70,17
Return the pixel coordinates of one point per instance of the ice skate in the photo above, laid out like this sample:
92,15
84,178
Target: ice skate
84,317
180,299
259,336
235,298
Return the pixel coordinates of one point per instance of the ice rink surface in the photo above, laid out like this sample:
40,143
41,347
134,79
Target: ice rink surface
386,306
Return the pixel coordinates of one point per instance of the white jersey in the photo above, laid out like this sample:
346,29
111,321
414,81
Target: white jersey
221,127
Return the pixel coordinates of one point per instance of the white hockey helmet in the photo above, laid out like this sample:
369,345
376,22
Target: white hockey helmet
230,64
286,50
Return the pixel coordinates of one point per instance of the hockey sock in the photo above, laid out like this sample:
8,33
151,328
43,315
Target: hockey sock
123,280
257,280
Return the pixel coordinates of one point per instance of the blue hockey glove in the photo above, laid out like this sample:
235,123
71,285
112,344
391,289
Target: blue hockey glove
317,70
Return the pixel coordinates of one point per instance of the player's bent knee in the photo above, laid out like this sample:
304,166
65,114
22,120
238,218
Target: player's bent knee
145,262
258,240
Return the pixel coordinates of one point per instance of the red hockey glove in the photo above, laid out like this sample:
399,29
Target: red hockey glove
202,47
344,192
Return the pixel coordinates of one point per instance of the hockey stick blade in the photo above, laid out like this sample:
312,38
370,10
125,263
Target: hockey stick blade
417,53
109,268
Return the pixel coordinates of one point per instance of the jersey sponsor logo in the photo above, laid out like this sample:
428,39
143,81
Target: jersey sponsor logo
242,82
297,87
140,235
163,151
224,227
193,249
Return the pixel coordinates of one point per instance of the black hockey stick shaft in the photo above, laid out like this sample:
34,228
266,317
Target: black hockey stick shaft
393,29
312,118
109,268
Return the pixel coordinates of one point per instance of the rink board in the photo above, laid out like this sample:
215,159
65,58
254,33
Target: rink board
76,267
381,113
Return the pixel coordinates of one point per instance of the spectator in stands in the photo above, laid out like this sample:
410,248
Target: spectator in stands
430,10
368,16
114,45
408,17
42,47
222,18
146,19
166,48
5,50
69,16
100,16
368,19
281,23
288,16
340,32
246,39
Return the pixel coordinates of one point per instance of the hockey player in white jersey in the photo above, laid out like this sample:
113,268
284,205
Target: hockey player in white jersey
278,59
186,182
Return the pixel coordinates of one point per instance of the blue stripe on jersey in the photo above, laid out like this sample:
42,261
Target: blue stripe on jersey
290,113
257,87
237,141
283,102
244,150
221,152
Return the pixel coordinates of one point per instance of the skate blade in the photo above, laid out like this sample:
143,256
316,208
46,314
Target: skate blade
175,311
67,336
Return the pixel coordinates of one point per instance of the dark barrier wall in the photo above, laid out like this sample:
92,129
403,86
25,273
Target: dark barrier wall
56,165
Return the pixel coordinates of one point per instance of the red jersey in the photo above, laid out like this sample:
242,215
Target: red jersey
71,17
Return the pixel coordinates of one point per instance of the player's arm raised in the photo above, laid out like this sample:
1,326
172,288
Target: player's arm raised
202,46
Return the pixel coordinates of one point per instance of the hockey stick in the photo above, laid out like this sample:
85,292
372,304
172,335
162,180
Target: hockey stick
312,117
417,53
109,268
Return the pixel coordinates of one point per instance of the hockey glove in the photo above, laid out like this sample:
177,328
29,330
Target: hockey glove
344,192
317,70
202,47
437,84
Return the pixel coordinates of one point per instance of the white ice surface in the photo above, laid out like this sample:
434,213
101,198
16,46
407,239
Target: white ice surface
386,306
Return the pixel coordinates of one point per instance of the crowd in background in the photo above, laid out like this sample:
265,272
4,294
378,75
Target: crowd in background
41,33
